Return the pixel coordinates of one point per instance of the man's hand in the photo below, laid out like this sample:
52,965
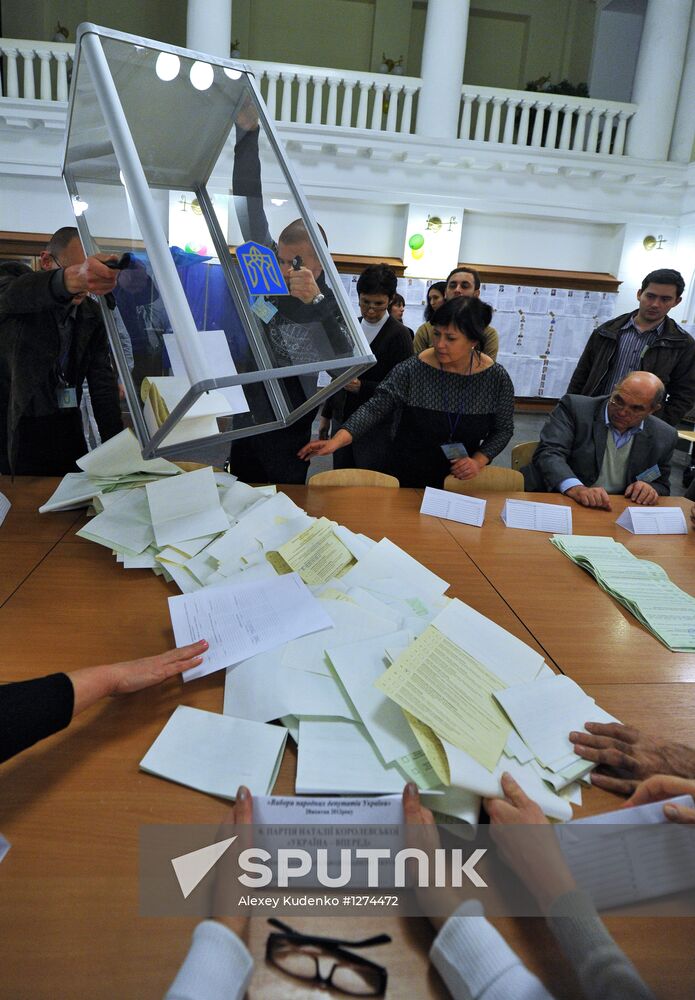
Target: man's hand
465,468
642,493
302,285
665,786
91,275
626,756
589,496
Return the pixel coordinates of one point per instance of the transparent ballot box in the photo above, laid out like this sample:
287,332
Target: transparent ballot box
170,160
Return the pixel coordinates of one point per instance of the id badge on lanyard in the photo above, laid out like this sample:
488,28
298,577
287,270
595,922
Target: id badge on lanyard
67,397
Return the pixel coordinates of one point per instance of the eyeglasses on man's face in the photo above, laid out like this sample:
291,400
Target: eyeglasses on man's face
326,961
635,410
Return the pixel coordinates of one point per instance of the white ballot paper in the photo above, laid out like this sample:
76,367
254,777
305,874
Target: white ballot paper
124,525
384,810
537,516
216,753
635,854
242,619
186,507
653,521
121,456
338,758
453,506
387,560
218,362
545,711
76,489
358,665
263,689
4,507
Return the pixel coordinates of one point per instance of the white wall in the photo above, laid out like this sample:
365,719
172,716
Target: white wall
546,242
41,205
361,227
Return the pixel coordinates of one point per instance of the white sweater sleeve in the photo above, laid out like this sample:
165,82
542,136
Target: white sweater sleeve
218,966
476,963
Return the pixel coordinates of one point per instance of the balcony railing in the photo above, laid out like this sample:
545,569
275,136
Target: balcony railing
44,69
377,102
544,121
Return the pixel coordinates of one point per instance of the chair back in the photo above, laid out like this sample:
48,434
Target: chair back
523,453
491,479
353,477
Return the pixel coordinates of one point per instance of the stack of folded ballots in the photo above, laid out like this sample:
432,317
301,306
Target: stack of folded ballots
404,685
642,587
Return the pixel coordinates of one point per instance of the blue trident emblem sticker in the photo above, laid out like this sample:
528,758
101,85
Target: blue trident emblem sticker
260,270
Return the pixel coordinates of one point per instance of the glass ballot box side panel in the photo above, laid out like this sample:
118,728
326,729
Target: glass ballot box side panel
271,312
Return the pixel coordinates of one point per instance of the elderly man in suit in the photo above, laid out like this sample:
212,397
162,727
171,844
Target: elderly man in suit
592,447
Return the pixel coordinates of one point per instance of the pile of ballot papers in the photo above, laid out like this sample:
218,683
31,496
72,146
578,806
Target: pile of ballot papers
642,587
376,674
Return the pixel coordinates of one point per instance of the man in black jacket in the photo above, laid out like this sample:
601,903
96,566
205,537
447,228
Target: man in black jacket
52,338
645,340
306,326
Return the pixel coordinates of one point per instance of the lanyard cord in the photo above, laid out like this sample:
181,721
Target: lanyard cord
453,424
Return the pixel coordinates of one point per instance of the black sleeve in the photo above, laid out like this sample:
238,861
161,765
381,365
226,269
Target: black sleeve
25,291
32,710
398,347
247,188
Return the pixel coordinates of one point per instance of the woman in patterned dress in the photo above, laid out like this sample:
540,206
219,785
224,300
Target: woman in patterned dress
454,404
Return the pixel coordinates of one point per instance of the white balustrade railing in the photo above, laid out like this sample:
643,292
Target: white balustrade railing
317,95
544,121
44,68
378,102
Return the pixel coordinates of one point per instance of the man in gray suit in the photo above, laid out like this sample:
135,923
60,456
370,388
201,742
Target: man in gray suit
592,447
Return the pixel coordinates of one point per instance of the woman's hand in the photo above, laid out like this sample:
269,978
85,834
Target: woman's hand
665,786
223,896
422,834
533,854
92,683
338,440
465,468
317,448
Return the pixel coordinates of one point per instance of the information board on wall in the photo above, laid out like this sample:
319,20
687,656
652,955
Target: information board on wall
542,331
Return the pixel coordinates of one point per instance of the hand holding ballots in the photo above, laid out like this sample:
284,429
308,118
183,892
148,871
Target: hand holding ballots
241,619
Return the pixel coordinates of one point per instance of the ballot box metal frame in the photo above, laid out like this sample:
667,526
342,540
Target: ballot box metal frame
120,146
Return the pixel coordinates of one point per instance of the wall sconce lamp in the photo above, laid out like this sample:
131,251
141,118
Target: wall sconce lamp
653,242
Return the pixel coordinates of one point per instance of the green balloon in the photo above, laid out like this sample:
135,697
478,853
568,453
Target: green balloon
416,241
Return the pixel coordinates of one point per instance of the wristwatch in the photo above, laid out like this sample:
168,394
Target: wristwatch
317,299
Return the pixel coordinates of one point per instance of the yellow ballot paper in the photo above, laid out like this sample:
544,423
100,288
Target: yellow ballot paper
316,554
444,687
432,747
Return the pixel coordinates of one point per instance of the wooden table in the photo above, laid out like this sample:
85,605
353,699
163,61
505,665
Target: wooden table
72,806
586,633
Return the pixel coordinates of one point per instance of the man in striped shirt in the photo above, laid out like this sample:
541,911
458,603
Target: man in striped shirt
645,340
